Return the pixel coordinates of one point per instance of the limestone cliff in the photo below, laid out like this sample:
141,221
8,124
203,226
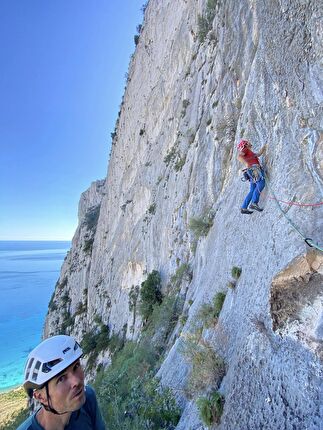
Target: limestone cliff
255,73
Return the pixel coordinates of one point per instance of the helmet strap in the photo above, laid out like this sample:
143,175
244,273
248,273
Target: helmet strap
49,407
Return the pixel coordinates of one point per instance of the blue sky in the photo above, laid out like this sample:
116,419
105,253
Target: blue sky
63,66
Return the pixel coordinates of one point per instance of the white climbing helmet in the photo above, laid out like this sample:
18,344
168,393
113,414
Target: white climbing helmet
48,359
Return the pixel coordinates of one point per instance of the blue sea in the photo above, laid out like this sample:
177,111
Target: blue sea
28,274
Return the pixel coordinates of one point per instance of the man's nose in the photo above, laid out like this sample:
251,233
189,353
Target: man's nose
75,379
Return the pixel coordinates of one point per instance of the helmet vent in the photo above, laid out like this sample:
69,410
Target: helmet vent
66,350
76,346
47,367
29,364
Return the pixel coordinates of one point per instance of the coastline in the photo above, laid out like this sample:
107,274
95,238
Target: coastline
16,387
11,403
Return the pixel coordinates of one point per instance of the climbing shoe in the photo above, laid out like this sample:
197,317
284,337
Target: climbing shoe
246,211
255,207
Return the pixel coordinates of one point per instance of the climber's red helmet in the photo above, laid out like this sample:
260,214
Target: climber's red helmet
243,144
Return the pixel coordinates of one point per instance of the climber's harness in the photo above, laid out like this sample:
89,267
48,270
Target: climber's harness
253,173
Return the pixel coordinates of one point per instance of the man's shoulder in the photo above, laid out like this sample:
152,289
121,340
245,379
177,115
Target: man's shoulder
27,424
89,391
90,398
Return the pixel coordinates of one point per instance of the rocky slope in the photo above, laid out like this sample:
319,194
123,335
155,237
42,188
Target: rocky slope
257,73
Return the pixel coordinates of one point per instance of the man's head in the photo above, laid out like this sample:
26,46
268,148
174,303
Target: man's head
54,376
243,144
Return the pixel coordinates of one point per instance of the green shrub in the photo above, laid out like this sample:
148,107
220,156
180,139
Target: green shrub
218,303
116,343
209,313
88,342
80,308
91,218
136,38
102,338
88,245
65,299
183,273
150,294
207,368
204,23
236,272
200,226
152,209
210,408
183,319
67,322
163,320
96,342
202,28
210,10
16,419
129,395
180,163
171,155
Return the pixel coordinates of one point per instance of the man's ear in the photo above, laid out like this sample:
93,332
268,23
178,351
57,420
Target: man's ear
40,396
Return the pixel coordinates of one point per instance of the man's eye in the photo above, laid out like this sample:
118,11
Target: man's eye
61,378
77,365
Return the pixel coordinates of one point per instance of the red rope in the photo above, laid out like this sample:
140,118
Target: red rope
296,203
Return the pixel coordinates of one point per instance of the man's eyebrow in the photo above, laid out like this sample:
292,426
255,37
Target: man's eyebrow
60,374
65,370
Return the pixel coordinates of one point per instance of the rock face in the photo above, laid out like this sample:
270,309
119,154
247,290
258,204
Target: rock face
257,74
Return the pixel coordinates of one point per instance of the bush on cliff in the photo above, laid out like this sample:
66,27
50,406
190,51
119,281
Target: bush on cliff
207,367
150,294
200,226
210,408
129,394
205,21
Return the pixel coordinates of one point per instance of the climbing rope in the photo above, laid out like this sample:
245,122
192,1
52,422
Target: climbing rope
307,240
246,178
295,203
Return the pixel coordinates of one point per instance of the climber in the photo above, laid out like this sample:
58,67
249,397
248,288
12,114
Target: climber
54,377
254,173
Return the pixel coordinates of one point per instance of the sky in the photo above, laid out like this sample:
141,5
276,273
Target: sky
62,77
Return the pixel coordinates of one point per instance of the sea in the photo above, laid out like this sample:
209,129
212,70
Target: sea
28,274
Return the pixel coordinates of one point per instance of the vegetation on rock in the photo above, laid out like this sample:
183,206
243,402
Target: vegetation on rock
210,408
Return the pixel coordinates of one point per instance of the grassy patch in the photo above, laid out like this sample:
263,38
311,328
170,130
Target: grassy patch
171,155
205,21
13,408
210,408
236,272
130,396
207,367
200,226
